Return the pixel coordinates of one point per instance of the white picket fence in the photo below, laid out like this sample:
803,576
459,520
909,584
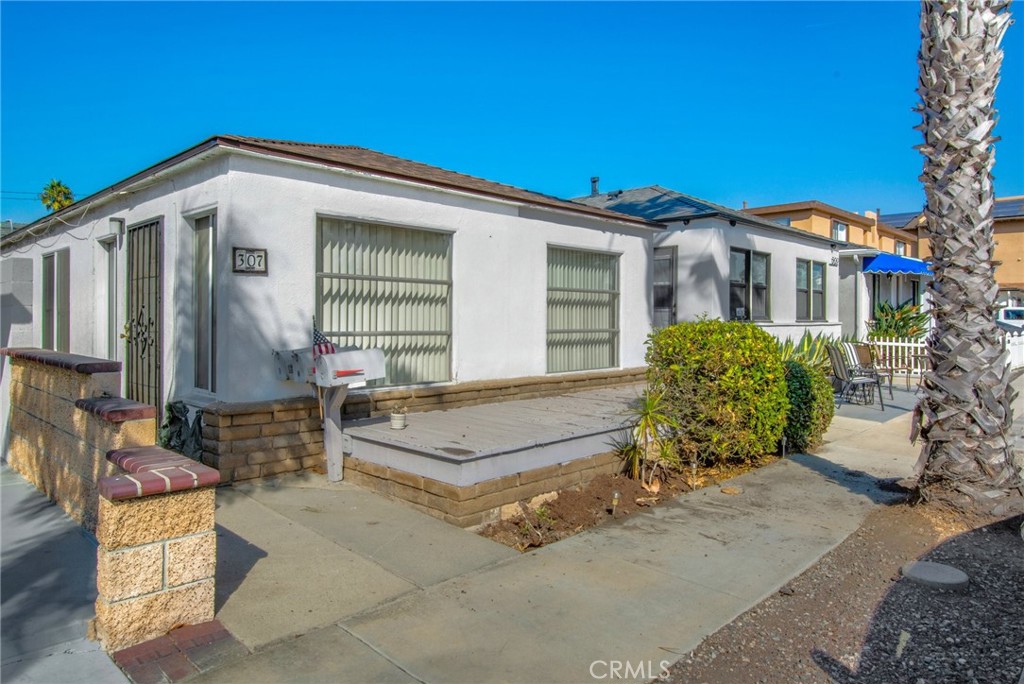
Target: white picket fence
905,355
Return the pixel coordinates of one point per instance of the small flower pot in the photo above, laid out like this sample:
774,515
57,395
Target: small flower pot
397,421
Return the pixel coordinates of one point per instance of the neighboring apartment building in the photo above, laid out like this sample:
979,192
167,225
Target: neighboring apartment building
1008,215
866,280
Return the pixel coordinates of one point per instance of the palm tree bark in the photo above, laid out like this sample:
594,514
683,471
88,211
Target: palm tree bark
965,415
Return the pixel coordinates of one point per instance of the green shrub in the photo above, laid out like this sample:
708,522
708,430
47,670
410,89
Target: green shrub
811,405
724,386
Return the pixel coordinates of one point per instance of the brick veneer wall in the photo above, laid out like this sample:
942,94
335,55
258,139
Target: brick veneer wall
57,441
478,504
259,439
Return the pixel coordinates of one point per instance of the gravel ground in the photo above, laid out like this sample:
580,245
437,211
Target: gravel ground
851,618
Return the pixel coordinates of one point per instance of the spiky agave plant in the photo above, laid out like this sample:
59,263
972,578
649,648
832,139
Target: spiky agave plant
649,448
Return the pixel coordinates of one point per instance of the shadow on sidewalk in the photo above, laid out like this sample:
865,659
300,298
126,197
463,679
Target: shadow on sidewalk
47,573
878,490
235,558
924,634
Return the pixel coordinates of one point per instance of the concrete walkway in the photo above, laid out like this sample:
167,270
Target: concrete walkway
331,583
327,582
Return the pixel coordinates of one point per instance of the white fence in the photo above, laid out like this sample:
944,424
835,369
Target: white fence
905,355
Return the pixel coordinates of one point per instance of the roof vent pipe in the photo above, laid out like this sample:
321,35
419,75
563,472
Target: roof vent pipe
744,204
594,180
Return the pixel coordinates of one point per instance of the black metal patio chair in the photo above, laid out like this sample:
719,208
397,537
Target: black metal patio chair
850,382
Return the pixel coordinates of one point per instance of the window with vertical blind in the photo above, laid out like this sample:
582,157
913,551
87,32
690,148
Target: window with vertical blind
387,287
57,301
583,310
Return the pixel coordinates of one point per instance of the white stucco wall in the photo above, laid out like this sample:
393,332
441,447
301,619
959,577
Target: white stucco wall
702,266
499,269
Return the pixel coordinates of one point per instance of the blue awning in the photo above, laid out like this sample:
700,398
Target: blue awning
899,265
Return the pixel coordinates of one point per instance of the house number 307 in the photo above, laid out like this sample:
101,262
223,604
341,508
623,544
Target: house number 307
248,260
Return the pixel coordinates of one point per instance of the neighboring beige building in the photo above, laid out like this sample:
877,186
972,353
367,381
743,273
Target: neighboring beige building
1009,235
865,281
840,225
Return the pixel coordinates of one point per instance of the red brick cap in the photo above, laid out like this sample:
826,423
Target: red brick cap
116,409
72,362
153,470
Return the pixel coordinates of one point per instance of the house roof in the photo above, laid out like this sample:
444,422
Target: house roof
350,158
656,203
1004,208
810,205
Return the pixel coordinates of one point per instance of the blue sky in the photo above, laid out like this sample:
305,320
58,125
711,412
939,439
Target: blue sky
766,102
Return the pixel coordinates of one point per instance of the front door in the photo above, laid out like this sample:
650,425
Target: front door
143,334
664,292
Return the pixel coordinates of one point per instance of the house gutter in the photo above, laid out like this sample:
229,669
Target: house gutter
132,184
768,225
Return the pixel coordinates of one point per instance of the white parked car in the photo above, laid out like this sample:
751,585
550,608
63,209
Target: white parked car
1011,316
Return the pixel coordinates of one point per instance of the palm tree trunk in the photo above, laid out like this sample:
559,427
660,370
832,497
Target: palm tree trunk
965,415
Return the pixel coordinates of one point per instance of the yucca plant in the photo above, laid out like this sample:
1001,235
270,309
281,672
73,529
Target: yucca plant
649,450
905,321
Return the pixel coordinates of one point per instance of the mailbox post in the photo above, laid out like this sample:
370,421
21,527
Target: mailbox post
349,367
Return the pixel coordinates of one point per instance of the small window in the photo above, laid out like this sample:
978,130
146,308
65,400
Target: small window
204,317
57,301
901,248
784,221
749,285
810,290
839,231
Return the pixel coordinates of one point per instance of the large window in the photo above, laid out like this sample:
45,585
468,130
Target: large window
583,310
810,290
387,287
204,312
749,285
839,231
57,301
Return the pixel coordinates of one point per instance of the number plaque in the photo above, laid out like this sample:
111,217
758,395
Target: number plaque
249,260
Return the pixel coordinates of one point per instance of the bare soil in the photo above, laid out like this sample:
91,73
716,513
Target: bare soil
573,511
852,618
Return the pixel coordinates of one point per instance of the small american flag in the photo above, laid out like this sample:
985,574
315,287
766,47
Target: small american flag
321,345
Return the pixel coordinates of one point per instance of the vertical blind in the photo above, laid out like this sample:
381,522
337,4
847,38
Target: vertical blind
387,287
583,310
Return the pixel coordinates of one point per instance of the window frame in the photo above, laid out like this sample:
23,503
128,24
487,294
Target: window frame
748,286
845,237
324,279
613,306
900,248
204,333
805,291
56,305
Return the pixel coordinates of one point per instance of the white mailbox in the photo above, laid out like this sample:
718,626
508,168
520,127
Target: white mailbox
352,368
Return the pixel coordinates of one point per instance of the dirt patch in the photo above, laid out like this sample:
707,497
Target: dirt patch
575,510
852,618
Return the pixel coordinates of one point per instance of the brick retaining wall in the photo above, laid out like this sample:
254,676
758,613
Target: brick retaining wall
64,416
478,504
264,438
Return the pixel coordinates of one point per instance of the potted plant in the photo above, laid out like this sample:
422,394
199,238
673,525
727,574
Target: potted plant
398,417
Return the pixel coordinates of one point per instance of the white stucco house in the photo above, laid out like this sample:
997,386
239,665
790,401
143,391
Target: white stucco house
194,270
731,265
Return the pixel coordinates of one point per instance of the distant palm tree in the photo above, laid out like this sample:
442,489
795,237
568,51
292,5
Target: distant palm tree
56,196
965,415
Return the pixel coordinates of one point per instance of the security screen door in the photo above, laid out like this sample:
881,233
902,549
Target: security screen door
143,334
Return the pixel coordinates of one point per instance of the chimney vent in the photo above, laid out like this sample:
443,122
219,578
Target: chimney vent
594,180
744,204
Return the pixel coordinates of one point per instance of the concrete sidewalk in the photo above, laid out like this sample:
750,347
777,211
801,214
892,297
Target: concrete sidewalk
328,582
48,575
331,583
